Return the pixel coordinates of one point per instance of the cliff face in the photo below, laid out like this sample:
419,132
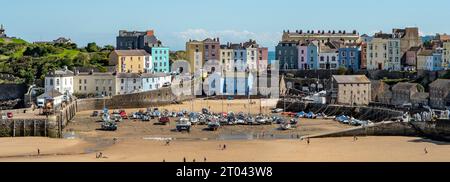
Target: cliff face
11,95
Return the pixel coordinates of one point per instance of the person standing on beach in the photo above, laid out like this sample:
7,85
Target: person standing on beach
39,152
204,159
167,142
184,159
224,146
307,141
425,150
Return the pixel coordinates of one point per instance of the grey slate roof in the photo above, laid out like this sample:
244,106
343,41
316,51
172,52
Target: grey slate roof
340,79
131,53
404,86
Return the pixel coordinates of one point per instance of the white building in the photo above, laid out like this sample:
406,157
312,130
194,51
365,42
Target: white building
328,59
60,80
155,81
383,53
53,96
128,83
252,57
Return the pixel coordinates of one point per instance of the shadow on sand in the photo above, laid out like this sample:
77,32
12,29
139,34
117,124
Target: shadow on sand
425,140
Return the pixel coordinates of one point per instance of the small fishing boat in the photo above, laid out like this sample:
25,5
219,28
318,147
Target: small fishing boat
213,125
183,124
285,126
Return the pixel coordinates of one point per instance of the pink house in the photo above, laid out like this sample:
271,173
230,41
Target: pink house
302,57
411,56
263,56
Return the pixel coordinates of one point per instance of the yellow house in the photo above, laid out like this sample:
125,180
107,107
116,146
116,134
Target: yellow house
131,61
95,84
422,58
194,52
446,55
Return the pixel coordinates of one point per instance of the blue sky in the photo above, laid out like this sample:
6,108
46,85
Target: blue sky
175,21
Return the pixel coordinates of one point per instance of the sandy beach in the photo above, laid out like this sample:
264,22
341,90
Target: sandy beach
365,149
138,141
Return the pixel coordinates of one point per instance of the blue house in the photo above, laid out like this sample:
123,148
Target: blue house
239,83
160,57
287,55
313,56
349,57
436,63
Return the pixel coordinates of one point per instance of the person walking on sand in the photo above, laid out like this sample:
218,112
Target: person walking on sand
167,142
307,141
39,152
425,150
224,147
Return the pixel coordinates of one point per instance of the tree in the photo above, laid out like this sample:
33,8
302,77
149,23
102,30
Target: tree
82,59
108,48
92,47
342,71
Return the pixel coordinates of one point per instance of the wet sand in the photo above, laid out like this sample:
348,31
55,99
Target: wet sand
365,149
139,141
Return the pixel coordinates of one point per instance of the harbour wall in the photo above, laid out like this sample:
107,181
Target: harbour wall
137,100
50,126
53,125
375,114
389,128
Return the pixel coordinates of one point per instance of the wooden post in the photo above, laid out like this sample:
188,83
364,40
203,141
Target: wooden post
34,127
60,126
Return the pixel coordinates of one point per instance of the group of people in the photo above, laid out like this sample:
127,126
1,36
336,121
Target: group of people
184,159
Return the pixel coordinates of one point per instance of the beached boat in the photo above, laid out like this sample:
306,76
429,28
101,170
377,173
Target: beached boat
183,124
310,115
109,126
285,126
213,125
300,114
262,120
251,121
193,118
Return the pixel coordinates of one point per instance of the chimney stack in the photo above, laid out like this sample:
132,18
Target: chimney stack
150,32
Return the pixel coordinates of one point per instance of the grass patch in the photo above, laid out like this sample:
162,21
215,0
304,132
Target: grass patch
395,81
